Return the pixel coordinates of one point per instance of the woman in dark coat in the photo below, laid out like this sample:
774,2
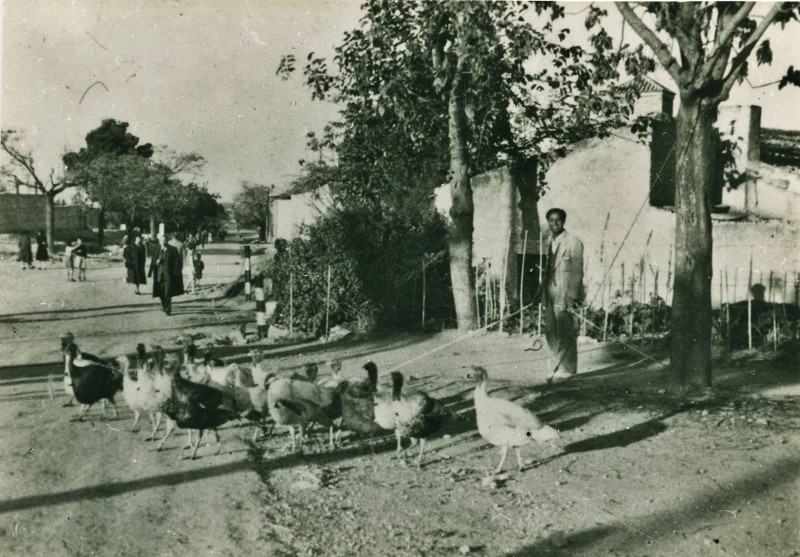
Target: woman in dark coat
41,250
25,254
135,255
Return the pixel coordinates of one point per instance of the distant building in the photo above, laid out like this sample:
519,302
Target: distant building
26,212
291,209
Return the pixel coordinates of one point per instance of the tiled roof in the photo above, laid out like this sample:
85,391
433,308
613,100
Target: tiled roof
646,85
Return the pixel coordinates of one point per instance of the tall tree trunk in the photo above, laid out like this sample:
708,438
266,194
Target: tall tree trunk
50,218
153,229
101,225
462,210
691,310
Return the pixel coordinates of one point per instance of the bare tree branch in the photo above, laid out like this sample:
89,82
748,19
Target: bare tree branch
25,161
660,49
727,27
740,59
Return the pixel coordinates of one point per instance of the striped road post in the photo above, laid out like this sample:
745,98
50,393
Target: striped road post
247,294
261,307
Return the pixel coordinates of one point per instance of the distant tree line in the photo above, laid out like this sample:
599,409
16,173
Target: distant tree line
120,179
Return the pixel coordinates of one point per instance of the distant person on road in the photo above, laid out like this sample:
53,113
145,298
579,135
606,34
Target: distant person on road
79,255
562,293
68,262
25,255
135,259
126,244
187,256
197,270
42,257
165,268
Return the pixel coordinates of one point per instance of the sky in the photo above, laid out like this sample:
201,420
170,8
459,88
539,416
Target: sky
199,76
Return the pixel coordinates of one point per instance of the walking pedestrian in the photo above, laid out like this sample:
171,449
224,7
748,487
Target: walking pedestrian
165,268
187,256
25,255
42,257
135,258
562,293
68,263
197,270
79,255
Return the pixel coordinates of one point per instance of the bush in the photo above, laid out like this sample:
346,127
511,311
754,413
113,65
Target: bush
376,268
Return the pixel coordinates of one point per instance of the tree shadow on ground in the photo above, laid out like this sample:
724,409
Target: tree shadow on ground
631,535
260,465
573,423
21,317
621,438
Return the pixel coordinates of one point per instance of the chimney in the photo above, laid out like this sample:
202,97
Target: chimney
742,125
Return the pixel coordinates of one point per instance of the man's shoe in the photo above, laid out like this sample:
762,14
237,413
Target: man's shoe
561,375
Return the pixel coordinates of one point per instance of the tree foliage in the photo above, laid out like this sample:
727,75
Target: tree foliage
109,138
376,272
251,207
435,92
715,42
119,175
191,207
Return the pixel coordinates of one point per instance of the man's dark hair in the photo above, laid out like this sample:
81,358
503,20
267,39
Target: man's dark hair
558,211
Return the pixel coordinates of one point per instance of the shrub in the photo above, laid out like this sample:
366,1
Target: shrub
376,267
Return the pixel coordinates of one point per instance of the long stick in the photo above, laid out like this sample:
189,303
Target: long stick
655,281
487,294
606,306
642,279
750,305
328,305
774,320
423,297
669,289
721,308
541,256
477,297
727,309
785,286
291,303
503,286
604,277
521,282
633,293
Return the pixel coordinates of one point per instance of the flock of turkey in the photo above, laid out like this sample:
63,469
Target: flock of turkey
201,394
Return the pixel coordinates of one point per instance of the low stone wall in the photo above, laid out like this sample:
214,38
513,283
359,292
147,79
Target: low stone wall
22,212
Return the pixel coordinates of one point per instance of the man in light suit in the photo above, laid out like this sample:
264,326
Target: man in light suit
562,293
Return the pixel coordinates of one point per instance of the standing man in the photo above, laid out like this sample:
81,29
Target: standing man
79,255
563,292
25,253
166,270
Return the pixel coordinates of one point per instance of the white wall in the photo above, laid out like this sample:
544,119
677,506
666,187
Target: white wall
300,209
